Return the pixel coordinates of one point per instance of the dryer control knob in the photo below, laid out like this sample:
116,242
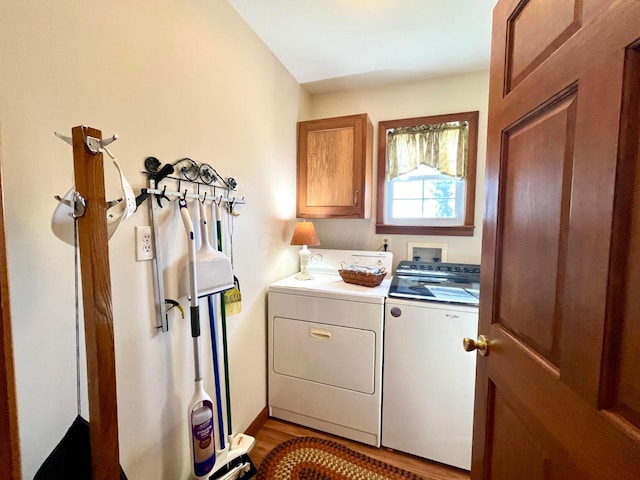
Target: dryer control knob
395,312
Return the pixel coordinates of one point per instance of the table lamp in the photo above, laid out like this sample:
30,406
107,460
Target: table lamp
304,234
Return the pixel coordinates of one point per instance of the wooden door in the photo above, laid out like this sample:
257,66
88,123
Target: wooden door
558,395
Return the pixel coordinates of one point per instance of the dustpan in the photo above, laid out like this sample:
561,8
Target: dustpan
214,273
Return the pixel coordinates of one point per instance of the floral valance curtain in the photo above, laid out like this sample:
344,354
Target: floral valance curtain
442,146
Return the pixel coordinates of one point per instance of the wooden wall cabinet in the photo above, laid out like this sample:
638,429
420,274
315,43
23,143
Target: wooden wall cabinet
334,167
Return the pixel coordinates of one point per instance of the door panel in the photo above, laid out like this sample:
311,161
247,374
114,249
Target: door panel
330,151
558,396
528,459
536,191
529,44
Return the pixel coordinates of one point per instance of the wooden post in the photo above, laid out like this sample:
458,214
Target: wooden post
98,312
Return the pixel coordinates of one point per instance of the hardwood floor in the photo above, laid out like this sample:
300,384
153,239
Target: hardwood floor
273,432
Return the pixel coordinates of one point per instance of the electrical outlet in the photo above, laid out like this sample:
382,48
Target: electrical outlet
144,245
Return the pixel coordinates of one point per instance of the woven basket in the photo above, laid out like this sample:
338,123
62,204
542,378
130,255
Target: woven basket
362,278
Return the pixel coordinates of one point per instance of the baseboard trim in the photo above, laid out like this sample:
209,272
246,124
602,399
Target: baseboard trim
253,429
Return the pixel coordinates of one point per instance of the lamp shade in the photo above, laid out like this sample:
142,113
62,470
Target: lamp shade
305,234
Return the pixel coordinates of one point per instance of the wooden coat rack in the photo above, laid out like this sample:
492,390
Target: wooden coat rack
98,320
98,312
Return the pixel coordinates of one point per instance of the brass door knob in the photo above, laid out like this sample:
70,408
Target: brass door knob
482,345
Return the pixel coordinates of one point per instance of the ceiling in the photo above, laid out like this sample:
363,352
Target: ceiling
330,45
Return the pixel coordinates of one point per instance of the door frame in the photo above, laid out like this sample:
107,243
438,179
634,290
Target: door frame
9,433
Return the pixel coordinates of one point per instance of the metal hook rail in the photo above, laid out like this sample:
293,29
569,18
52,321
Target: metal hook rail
196,196
198,175
201,180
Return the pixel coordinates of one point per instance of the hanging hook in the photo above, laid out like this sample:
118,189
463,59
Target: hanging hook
78,204
96,145
232,205
204,197
64,138
162,196
174,304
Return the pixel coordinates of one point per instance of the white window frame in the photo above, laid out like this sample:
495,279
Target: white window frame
408,226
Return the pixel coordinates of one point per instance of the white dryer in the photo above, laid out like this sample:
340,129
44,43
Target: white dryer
325,347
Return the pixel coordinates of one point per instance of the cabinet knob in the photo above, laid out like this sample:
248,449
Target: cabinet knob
482,345
355,198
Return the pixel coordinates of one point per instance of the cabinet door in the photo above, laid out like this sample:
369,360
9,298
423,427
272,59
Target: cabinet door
334,167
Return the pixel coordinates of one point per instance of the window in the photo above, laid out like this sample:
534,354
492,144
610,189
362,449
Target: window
426,175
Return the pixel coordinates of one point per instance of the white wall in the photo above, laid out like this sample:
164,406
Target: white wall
172,79
460,93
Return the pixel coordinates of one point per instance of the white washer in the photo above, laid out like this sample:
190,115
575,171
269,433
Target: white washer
325,347
429,380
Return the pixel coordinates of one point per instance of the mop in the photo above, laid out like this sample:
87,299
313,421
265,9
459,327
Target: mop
200,411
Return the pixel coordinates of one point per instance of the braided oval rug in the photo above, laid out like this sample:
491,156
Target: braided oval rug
310,458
